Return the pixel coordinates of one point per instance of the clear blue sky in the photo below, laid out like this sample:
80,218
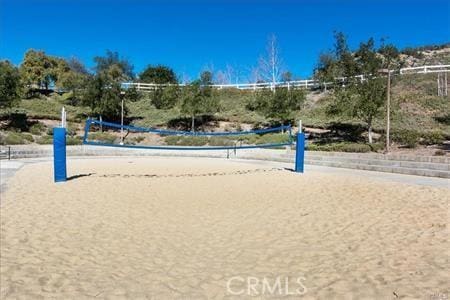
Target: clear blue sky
187,35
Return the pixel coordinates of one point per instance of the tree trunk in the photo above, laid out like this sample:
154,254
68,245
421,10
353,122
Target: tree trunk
370,133
193,123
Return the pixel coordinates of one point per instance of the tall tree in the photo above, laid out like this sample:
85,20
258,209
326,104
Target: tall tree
280,104
161,97
362,99
196,100
165,97
112,62
103,96
227,75
390,56
270,65
158,74
72,77
9,84
346,63
37,69
77,66
327,69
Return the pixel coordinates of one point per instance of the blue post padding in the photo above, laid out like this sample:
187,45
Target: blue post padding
300,153
59,154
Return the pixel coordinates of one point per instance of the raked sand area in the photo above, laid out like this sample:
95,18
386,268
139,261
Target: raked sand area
172,228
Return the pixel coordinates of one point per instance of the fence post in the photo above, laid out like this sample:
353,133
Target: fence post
59,154
300,153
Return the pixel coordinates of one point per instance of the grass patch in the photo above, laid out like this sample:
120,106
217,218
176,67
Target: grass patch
74,140
345,147
45,140
37,129
16,138
248,139
103,137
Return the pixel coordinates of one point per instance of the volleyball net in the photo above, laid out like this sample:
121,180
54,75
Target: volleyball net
101,133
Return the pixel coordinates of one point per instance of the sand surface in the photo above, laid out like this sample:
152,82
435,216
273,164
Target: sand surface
172,228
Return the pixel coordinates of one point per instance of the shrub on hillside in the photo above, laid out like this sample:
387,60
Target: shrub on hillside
221,141
74,140
37,129
13,138
103,137
432,138
187,140
45,140
28,137
406,137
341,147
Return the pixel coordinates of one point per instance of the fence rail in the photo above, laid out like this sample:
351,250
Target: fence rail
426,69
307,83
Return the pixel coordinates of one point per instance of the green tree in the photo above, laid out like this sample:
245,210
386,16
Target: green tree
10,85
346,64
39,71
158,74
198,100
362,98
132,94
367,60
103,96
72,77
390,56
364,101
280,104
165,97
104,93
117,67
93,94
206,78
36,70
327,69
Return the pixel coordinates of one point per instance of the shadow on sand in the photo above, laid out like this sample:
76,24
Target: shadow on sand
79,176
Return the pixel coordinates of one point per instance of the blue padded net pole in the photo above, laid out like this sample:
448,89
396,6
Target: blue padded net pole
300,153
59,154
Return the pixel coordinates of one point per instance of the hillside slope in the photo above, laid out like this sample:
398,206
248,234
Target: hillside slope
420,118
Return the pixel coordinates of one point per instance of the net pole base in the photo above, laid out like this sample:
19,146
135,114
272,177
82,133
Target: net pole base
59,154
300,153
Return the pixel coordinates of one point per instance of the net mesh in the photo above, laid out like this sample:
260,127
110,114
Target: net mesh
102,133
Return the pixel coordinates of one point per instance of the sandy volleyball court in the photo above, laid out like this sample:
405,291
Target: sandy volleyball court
170,228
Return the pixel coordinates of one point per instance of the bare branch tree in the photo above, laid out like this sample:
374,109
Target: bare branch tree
255,75
231,74
221,77
270,65
184,78
228,75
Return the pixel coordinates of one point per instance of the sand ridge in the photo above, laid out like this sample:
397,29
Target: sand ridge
172,228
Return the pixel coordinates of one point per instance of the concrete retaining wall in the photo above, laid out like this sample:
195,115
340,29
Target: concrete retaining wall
433,166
